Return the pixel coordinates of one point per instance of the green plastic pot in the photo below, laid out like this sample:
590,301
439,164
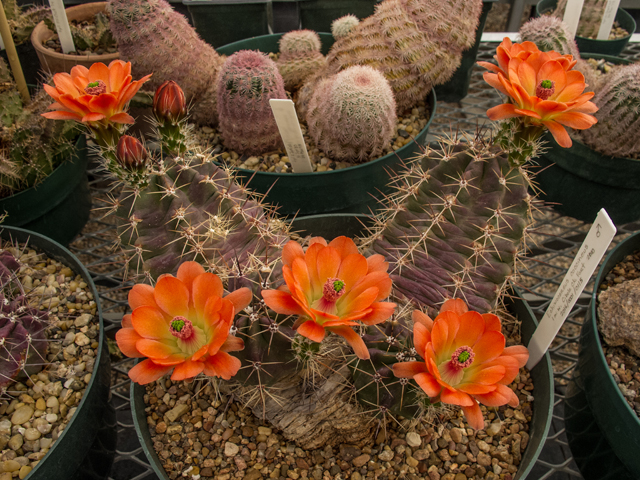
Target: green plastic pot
588,45
458,85
220,22
59,207
331,226
319,14
357,189
86,448
603,431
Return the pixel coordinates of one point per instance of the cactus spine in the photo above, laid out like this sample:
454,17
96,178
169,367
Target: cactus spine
300,57
352,114
158,40
618,100
247,81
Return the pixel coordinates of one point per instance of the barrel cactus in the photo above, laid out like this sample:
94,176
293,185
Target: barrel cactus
300,57
341,27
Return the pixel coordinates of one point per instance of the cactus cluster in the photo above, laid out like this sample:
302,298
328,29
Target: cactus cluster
246,82
23,21
300,57
23,344
342,26
416,44
31,146
98,37
618,100
352,114
158,40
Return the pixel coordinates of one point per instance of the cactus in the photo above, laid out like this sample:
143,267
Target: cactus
158,40
342,26
98,37
618,100
22,325
31,146
300,57
415,43
352,115
246,83
22,22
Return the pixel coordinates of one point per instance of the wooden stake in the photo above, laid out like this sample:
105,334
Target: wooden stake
12,55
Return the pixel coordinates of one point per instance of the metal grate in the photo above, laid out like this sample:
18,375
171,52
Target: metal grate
555,241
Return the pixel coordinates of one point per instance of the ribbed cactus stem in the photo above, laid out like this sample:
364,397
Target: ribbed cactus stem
342,26
549,33
300,57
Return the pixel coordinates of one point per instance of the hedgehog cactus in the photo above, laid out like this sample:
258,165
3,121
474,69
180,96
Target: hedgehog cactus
300,57
549,33
246,83
342,26
22,336
352,115
158,40
618,98
416,44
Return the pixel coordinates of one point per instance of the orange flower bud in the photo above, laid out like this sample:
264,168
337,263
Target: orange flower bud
130,153
169,104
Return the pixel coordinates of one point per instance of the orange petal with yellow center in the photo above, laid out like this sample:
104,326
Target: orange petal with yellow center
570,93
552,70
221,365
475,388
150,322
64,84
473,415
579,121
444,338
527,77
487,375
361,302
205,286
328,264
455,397
73,104
171,360
98,71
428,383
301,274
281,302
141,294
147,372
240,299
493,80
488,347
117,76
510,365
52,91
172,296
559,133
127,93
188,271
489,66
472,326
352,268
354,340
154,349
408,369
344,245
187,369
105,103
502,395
311,259
380,280
291,251
528,113
312,331
379,312
126,339
232,344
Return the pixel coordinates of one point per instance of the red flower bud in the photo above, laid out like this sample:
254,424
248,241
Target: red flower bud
130,153
169,103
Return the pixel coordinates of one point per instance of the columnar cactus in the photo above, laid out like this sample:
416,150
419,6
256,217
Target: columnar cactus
415,43
342,26
23,344
246,83
299,57
158,40
352,115
618,98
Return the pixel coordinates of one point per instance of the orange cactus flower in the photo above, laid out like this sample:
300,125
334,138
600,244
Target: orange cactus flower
95,96
182,325
466,361
542,87
331,287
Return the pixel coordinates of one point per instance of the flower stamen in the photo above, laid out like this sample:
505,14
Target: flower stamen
181,328
95,88
545,89
462,357
333,289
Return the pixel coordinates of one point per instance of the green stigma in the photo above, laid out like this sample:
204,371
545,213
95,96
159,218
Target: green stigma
177,325
464,356
338,285
546,84
93,84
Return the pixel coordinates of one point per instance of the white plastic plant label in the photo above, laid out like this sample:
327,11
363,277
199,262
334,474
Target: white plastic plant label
62,25
572,15
285,113
607,19
587,259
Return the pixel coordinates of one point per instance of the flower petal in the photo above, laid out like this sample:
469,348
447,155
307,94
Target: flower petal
172,296
188,271
455,397
473,415
281,302
379,312
240,298
127,339
408,369
187,369
147,372
221,365
141,294
428,383
150,322
203,287
354,340
559,133
154,349
312,331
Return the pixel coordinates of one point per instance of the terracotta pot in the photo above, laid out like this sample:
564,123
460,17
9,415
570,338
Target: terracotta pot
54,62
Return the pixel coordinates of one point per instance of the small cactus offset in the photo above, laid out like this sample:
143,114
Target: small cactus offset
618,98
549,33
342,26
300,57
89,39
246,83
23,21
158,40
352,115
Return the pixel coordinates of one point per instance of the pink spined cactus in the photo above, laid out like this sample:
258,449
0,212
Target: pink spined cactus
247,81
352,115
341,27
300,57
156,39
300,41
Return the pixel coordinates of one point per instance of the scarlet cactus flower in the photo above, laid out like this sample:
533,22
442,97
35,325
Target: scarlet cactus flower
332,287
169,103
130,153
542,88
466,361
97,96
182,325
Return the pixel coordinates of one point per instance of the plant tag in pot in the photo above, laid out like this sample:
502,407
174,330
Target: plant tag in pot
62,26
608,18
289,128
589,255
572,13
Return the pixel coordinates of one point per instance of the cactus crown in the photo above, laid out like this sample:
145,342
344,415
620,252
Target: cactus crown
341,27
549,33
300,41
